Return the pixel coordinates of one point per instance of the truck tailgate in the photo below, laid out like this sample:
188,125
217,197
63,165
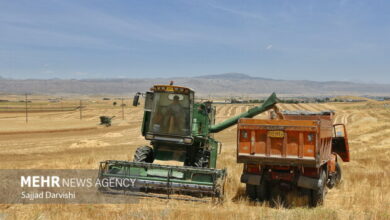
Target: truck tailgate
278,142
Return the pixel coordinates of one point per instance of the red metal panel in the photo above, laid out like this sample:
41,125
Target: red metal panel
260,142
292,143
309,144
300,150
299,144
268,147
253,138
284,152
276,146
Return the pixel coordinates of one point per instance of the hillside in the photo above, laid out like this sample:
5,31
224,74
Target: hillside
215,85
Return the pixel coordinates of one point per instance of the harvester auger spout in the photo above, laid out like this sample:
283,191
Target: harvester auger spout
179,129
268,104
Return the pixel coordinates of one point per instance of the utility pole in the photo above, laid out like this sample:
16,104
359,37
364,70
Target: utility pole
123,113
81,110
26,110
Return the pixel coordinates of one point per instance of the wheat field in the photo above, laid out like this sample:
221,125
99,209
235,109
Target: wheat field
60,140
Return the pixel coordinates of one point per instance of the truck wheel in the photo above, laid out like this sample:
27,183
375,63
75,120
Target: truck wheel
338,176
276,196
144,154
335,178
318,195
262,191
251,191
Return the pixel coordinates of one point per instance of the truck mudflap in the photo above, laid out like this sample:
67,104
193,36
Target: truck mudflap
146,179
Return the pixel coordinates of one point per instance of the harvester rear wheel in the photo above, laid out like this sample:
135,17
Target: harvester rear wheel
144,154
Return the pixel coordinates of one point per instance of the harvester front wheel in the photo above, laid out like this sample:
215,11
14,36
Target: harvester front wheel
202,159
144,154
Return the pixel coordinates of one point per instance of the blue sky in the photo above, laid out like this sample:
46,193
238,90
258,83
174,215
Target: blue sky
311,40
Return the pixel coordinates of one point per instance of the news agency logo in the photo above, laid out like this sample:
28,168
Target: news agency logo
39,181
55,187
56,181
65,186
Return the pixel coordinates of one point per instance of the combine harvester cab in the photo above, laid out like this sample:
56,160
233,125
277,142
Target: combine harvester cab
296,153
179,129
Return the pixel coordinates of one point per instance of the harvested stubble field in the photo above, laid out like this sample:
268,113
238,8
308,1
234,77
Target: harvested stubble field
59,140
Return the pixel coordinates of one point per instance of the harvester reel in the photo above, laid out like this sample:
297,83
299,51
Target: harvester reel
220,190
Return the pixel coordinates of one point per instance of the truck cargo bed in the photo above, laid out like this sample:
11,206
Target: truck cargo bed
284,142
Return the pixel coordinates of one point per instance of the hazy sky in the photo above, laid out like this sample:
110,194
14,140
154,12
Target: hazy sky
313,40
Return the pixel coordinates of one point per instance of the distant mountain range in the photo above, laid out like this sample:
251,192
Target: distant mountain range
228,84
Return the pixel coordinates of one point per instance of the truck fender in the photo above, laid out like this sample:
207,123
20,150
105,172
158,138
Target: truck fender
308,182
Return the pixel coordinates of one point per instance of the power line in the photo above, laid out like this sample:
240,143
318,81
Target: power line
26,109
123,113
81,111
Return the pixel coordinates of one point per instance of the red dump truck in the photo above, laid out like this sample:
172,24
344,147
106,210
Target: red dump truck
296,152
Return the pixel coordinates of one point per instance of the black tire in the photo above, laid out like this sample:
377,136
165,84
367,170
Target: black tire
144,154
276,196
335,179
318,195
263,190
339,174
202,159
251,191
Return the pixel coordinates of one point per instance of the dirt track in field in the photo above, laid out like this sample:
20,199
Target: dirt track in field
60,140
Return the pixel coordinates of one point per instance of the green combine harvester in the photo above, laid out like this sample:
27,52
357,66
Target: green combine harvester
179,130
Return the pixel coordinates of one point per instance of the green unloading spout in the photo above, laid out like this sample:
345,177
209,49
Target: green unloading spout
268,104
